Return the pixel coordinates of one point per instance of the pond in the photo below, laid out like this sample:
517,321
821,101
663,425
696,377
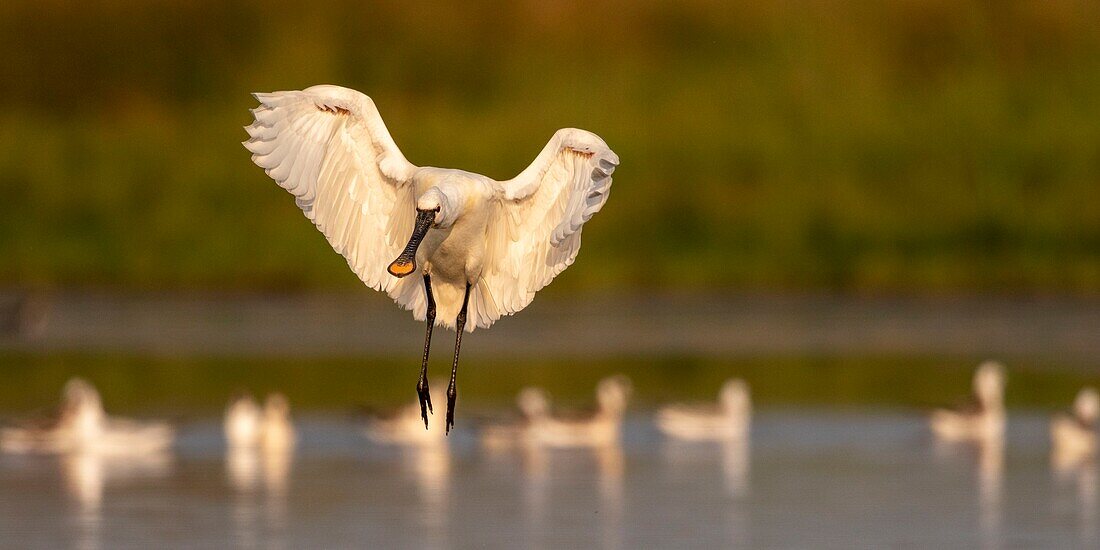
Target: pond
809,478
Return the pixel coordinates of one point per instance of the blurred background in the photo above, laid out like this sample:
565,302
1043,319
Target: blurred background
846,202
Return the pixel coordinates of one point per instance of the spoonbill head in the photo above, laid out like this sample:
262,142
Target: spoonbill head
989,385
456,248
983,420
242,422
734,398
1086,407
533,403
612,394
82,408
1073,437
278,429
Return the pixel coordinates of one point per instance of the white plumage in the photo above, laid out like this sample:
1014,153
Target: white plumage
247,426
602,427
328,146
404,427
1073,437
278,434
983,420
534,407
242,423
728,420
84,427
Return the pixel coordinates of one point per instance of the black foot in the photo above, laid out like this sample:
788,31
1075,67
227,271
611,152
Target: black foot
452,396
425,401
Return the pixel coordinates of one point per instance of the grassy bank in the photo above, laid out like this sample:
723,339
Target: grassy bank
132,383
932,145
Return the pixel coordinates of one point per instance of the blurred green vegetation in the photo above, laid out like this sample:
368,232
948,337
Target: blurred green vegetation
927,145
203,384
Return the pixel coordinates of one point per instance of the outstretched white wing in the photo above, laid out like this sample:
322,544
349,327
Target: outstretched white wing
537,231
328,146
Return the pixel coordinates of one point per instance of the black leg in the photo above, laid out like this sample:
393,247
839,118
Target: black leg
452,395
422,385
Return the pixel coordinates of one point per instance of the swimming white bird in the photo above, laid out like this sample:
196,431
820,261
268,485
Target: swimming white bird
242,422
533,405
83,426
482,247
599,428
277,432
403,427
260,441
728,420
1074,436
984,419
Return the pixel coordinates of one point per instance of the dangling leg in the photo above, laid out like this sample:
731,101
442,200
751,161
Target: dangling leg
422,385
452,395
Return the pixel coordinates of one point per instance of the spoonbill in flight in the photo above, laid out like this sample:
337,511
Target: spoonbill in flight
482,247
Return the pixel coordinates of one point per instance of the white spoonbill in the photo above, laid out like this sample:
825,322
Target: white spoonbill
984,418
601,427
402,427
728,420
83,426
482,247
1074,436
242,424
534,406
278,429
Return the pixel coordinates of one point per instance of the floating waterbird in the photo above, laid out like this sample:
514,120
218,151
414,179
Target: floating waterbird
247,426
727,420
277,429
242,422
601,427
482,248
984,418
402,427
534,406
1074,436
83,426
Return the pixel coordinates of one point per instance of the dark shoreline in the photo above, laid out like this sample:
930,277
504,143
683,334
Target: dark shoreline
1061,329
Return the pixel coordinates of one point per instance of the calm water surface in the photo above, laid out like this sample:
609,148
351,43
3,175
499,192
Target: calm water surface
810,478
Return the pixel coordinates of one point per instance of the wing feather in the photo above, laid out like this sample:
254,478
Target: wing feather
541,213
329,148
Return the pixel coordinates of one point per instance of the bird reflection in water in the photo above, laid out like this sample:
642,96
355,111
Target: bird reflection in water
696,433
259,455
610,463
987,455
735,467
87,474
541,465
430,468
426,458
991,464
729,458
1081,477
243,470
544,441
